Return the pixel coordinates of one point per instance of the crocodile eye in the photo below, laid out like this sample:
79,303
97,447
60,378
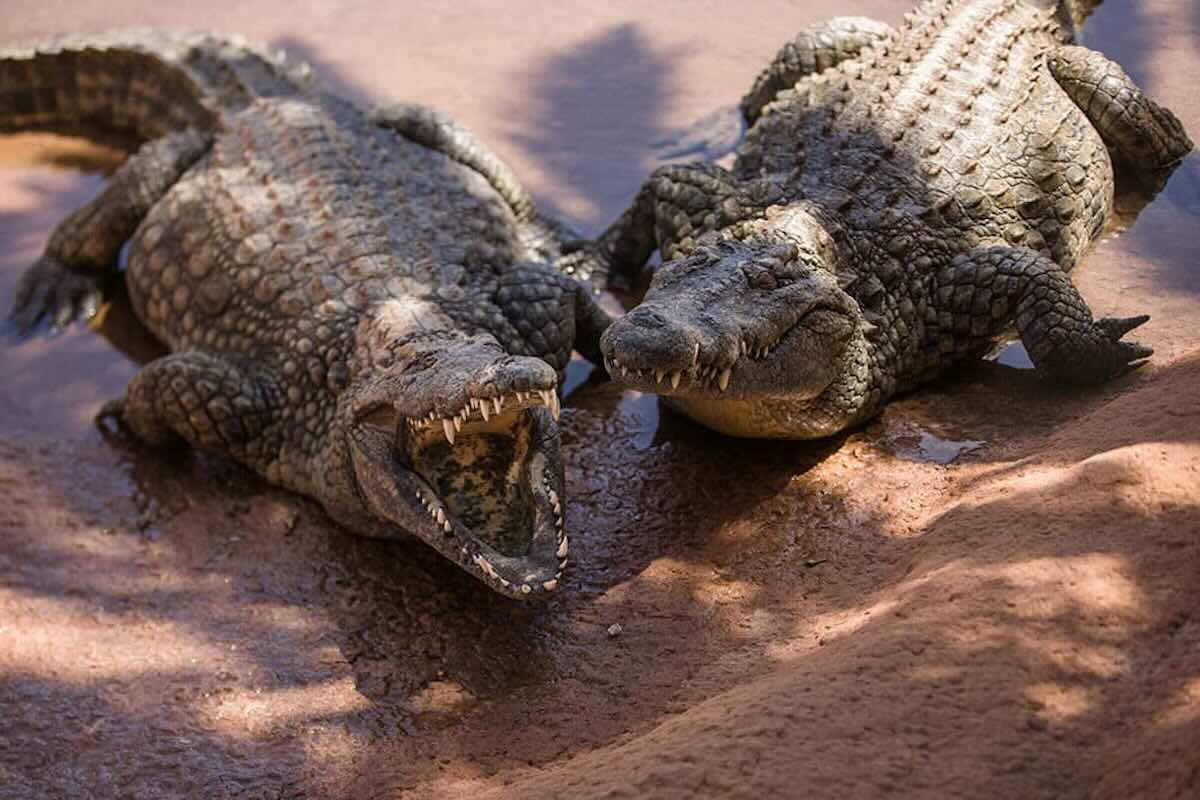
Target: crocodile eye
760,277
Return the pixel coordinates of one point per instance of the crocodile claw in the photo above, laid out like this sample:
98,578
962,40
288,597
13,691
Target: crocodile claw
52,293
1116,327
1104,356
584,265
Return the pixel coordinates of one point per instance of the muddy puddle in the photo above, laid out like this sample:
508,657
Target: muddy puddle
958,597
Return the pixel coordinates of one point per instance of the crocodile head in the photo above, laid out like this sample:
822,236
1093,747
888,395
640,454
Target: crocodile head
751,338
456,441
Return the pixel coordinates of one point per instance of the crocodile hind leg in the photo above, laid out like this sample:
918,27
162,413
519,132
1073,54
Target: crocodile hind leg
426,126
813,50
202,399
67,282
670,205
981,291
1138,130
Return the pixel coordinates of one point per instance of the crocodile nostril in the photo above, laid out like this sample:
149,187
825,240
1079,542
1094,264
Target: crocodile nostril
645,318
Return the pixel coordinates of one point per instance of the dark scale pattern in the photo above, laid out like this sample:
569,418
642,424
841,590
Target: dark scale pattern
936,157
307,262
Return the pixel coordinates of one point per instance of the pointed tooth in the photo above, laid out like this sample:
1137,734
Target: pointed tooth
483,409
446,526
696,353
555,406
659,375
562,548
550,585
498,404
440,516
449,429
546,394
675,376
723,382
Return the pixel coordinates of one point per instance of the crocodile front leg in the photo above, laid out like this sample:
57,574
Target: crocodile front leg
203,399
980,291
1140,131
67,282
537,311
813,50
667,211
591,321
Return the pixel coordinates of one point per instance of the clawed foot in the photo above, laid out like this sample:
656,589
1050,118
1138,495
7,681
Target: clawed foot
1102,355
53,293
708,138
583,265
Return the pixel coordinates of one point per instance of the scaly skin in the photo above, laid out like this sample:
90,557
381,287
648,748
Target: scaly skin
885,218
358,306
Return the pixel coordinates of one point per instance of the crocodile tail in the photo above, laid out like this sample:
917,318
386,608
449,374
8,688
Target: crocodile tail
129,87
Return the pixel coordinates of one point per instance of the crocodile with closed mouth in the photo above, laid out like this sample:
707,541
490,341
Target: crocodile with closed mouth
901,199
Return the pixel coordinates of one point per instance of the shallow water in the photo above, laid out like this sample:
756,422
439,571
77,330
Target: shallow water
169,594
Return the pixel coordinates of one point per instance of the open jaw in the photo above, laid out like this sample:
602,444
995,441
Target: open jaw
482,486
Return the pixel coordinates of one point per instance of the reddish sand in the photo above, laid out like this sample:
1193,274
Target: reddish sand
838,619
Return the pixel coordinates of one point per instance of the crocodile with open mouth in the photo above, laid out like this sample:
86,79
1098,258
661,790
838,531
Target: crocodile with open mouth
901,199
359,305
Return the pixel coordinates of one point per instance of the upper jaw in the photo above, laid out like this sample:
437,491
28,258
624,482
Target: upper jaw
480,408
727,366
408,499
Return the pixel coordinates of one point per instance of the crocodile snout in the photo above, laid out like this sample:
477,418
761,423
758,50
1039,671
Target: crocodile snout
645,339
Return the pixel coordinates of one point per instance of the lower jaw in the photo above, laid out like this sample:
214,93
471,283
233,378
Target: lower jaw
532,563
764,418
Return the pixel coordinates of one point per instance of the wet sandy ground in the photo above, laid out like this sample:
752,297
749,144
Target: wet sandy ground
990,591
